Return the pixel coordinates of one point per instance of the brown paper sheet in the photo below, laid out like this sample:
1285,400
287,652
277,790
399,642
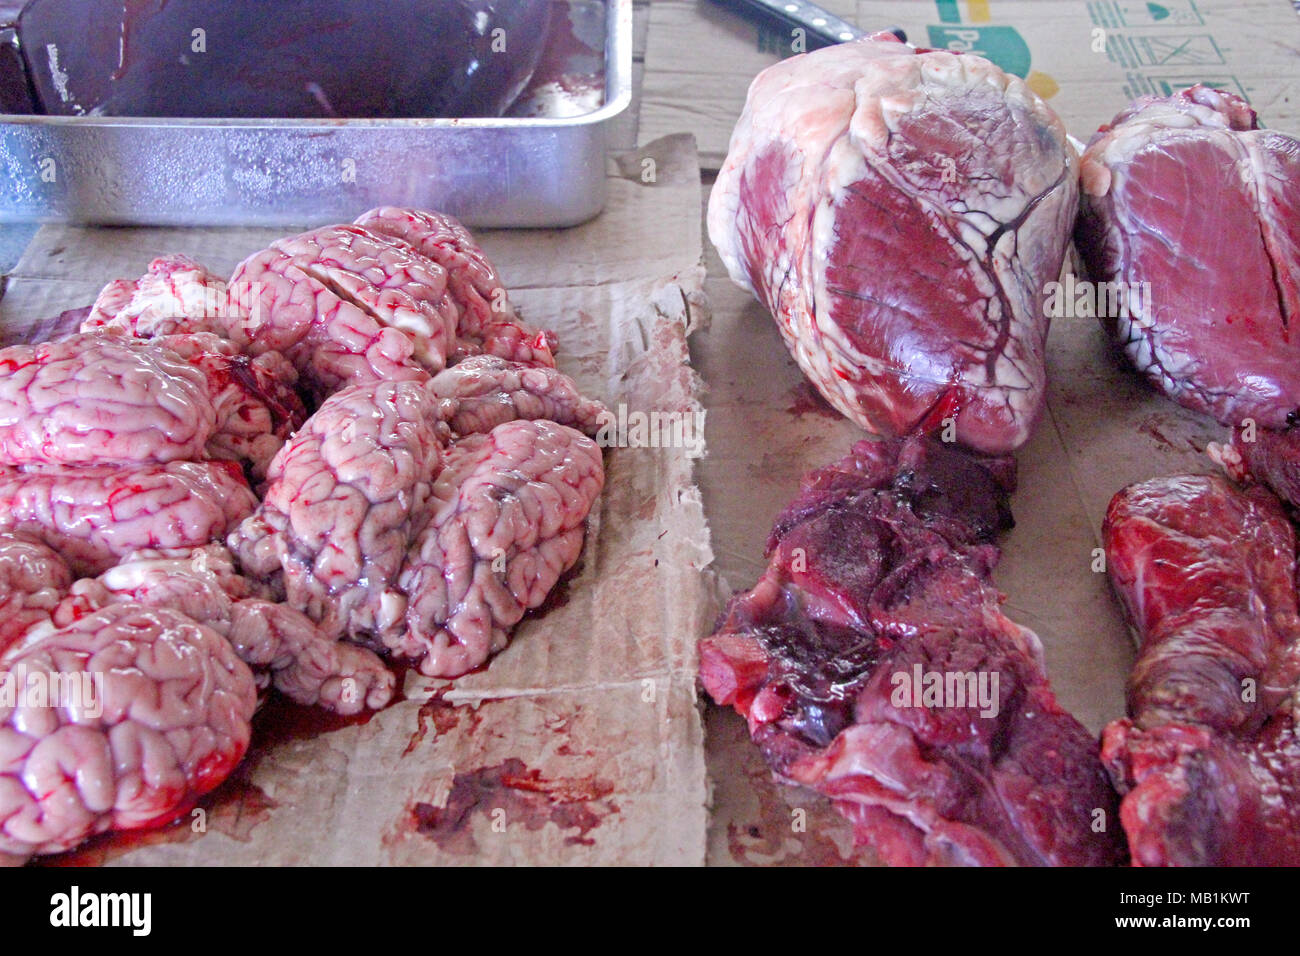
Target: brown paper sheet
582,741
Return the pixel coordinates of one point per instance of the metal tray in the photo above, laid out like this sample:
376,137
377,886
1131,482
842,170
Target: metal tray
544,168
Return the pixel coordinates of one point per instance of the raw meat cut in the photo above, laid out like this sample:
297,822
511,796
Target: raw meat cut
168,722
1208,759
508,517
347,306
1163,185
487,391
33,580
175,296
487,321
93,515
1270,457
1206,573
900,214
879,587
1198,798
341,504
100,398
273,639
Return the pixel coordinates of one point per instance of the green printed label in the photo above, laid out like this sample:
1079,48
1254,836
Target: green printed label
1145,13
1003,45
1166,50
948,12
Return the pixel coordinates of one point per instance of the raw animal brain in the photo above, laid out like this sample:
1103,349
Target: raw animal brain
487,321
132,546
280,644
900,214
507,520
100,398
33,580
175,295
337,519
253,399
106,398
347,306
174,706
96,514
1188,196
486,391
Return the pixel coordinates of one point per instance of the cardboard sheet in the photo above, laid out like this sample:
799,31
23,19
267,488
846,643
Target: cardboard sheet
1088,58
1103,428
582,741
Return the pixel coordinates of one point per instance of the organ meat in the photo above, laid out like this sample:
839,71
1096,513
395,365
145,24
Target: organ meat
341,504
33,580
900,213
166,720
134,551
175,296
105,398
253,399
879,586
485,391
1270,457
276,641
1208,759
1163,185
93,515
347,306
100,398
507,519
487,321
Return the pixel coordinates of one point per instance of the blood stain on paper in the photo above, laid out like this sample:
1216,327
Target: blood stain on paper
1151,425
281,721
517,794
805,399
559,595
441,716
768,823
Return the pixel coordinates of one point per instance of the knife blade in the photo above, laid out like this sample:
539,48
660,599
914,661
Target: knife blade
821,27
